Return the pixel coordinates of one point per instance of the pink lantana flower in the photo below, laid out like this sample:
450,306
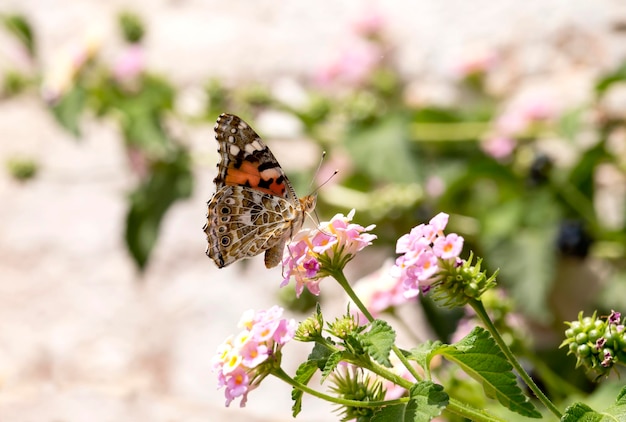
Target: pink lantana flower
499,147
239,361
130,64
352,66
315,254
448,247
369,24
475,61
520,119
426,251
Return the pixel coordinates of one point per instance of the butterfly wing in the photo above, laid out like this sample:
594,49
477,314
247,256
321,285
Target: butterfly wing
243,222
247,161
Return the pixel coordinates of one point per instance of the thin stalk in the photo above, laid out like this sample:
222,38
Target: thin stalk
343,282
476,415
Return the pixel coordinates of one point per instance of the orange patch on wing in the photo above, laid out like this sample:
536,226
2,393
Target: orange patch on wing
238,177
248,175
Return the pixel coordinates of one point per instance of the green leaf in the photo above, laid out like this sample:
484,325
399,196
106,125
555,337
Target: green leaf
320,355
378,341
618,75
68,110
304,373
427,401
22,30
480,357
383,151
423,353
393,413
331,363
580,412
168,182
430,398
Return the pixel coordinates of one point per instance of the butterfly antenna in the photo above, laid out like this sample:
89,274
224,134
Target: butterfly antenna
316,220
317,170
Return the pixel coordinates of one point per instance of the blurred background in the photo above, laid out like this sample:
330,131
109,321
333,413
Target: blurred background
509,116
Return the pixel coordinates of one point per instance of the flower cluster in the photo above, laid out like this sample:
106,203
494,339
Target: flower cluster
597,343
426,251
314,254
65,68
243,361
522,118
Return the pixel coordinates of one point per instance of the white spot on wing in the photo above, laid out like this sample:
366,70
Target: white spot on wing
234,149
246,219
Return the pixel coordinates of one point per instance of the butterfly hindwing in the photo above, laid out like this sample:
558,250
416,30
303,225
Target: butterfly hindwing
244,222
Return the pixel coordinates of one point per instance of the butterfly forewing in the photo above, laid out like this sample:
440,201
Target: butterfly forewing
247,161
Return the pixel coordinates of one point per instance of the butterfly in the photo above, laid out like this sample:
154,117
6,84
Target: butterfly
254,208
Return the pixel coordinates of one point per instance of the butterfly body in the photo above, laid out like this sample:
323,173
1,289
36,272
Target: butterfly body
254,209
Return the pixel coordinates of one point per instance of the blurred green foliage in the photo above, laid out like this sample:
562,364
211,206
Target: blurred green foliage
19,27
132,27
22,168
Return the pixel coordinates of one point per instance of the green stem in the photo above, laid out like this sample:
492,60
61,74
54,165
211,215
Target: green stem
476,415
478,307
343,282
385,373
449,131
282,375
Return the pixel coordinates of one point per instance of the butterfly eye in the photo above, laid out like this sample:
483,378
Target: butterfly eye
225,219
225,240
222,229
229,201
225,210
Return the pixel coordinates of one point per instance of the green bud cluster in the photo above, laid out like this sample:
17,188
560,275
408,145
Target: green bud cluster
461,282
311,328
597,343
